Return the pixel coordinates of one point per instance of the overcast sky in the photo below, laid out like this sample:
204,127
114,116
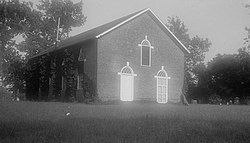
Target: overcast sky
221,21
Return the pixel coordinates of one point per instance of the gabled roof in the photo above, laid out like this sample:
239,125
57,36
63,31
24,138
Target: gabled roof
92,33
106,28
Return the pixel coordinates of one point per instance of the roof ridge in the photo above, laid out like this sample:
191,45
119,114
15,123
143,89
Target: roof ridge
101,30
123,22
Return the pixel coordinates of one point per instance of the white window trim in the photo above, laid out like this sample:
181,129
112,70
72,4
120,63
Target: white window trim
150,47
127,66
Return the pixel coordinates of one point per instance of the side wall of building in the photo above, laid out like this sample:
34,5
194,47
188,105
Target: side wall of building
89,49
90,65
121,46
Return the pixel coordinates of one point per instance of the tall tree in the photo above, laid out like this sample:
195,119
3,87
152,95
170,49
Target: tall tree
230,75
42,35
196,45
37,25
14,20
247,28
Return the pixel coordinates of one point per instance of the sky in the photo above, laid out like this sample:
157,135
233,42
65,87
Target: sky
223,22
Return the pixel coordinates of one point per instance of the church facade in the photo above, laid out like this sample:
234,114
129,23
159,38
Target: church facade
132,58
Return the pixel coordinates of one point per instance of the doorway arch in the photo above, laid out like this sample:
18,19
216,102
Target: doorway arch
127,83
162,86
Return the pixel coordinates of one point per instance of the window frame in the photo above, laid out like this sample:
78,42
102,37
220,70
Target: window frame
150,52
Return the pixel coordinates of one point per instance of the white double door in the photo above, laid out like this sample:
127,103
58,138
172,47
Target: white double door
162,90
127,89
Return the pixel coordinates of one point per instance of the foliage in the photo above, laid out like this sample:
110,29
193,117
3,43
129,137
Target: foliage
42,35
230,74
227,76
89,89
15,78
215,99
247,39
38,27
14,20
197,47
69,73
44,67
32,79
201,90
56,74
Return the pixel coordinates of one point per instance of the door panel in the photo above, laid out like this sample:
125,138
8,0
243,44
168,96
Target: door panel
162,90
126,88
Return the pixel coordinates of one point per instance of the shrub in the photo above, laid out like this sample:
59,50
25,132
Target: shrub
214,99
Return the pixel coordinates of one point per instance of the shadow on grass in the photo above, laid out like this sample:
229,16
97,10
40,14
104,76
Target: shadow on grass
144,129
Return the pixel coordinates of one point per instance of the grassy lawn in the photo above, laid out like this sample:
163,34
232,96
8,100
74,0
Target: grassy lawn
128,122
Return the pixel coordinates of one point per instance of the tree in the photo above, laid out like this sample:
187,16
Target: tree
247,39
224,75
38,26
14,20
16,76
196,45
69,73
229,75
42,35
201,91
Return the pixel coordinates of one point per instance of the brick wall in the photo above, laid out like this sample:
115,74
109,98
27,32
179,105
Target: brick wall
121,46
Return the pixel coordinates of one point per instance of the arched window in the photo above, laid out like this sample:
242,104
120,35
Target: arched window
162,73
145,52
127,70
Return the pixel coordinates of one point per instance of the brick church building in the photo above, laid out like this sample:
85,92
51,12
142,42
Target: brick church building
132,58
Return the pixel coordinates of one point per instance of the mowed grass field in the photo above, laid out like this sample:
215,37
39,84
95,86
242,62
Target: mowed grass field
125,122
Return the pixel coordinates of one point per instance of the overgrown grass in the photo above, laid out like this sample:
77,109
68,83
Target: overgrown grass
128,122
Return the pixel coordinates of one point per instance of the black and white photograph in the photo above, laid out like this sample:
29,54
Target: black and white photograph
116,71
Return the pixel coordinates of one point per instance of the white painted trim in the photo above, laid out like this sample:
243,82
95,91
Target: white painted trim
167,85
169,31
118,25
138,14
132,81
166,91
127,66
119,73
150,47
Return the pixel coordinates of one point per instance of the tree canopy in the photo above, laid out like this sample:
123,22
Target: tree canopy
42,34
196,45
225,77
37,24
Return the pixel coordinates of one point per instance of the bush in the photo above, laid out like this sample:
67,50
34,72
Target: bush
215,99
89,89
245,100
